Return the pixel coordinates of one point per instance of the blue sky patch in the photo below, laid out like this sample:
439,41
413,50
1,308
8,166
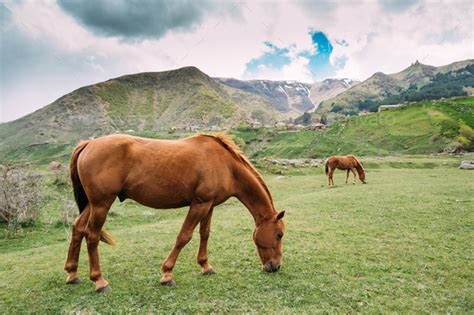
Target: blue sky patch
319,60
319,63
274,59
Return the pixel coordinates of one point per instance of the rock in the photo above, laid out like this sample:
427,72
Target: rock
275,162
147,213
292,162
467,165
284,161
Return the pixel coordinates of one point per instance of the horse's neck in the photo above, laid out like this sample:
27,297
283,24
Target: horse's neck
251,192
357,165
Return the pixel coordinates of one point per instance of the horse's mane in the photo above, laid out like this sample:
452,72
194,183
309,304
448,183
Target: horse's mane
357,162
230,146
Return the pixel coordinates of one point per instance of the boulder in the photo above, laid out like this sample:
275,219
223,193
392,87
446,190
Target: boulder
467,165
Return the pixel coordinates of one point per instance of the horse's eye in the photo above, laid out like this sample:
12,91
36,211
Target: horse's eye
279,236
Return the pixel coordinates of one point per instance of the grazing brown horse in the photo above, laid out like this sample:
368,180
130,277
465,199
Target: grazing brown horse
348,163
200,171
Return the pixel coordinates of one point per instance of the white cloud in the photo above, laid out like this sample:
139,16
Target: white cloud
58,54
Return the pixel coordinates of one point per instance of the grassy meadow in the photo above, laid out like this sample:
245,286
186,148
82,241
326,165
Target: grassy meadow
401,243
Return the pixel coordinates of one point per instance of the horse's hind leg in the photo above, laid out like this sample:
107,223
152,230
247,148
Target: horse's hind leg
72,260
94,226
331,179
204,230
196,213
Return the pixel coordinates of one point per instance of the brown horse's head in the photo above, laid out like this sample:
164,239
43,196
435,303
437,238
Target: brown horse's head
361,174
360,169
268,238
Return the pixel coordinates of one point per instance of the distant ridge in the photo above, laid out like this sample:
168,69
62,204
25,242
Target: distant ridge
291,97
381,85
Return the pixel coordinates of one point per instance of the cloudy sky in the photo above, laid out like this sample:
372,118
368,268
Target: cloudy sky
49,48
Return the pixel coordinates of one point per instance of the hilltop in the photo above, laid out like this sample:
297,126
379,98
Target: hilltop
384,88
150,101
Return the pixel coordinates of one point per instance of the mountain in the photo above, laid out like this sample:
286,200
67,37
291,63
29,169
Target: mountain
381,86
291,98
321,91
144,101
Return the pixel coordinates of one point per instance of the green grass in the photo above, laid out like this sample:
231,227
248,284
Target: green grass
421,128
401,243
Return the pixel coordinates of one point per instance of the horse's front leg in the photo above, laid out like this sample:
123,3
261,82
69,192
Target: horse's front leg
204,230
347,176
196,213
355,176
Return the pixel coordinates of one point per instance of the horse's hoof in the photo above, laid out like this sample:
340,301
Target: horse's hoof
107,288
73,281
170,283
209,272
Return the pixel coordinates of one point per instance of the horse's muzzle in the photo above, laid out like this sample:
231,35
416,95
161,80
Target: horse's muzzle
271,267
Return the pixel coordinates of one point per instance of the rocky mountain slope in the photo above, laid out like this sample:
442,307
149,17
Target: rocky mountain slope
290,97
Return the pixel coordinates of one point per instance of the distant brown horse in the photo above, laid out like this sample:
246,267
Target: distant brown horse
348,163
201,171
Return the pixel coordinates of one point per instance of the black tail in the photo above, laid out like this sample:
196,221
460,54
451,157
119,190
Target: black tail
327,167
79,193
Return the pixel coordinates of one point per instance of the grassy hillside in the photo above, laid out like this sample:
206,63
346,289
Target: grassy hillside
383,87
423,127
400,244
140,102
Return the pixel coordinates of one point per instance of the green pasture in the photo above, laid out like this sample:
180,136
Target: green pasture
402,243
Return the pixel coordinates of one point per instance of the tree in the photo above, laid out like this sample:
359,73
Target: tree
336,108
324,119
306,118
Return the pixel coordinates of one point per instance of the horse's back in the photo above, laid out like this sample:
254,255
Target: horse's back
157,173
341,162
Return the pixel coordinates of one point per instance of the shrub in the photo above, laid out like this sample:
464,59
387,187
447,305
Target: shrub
69,214
336,108
449,128
466,136
20,196
61,178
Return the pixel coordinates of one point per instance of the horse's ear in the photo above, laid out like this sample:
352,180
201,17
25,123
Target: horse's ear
280,215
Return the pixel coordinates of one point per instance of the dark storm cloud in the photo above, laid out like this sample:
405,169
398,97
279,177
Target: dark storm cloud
131,19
